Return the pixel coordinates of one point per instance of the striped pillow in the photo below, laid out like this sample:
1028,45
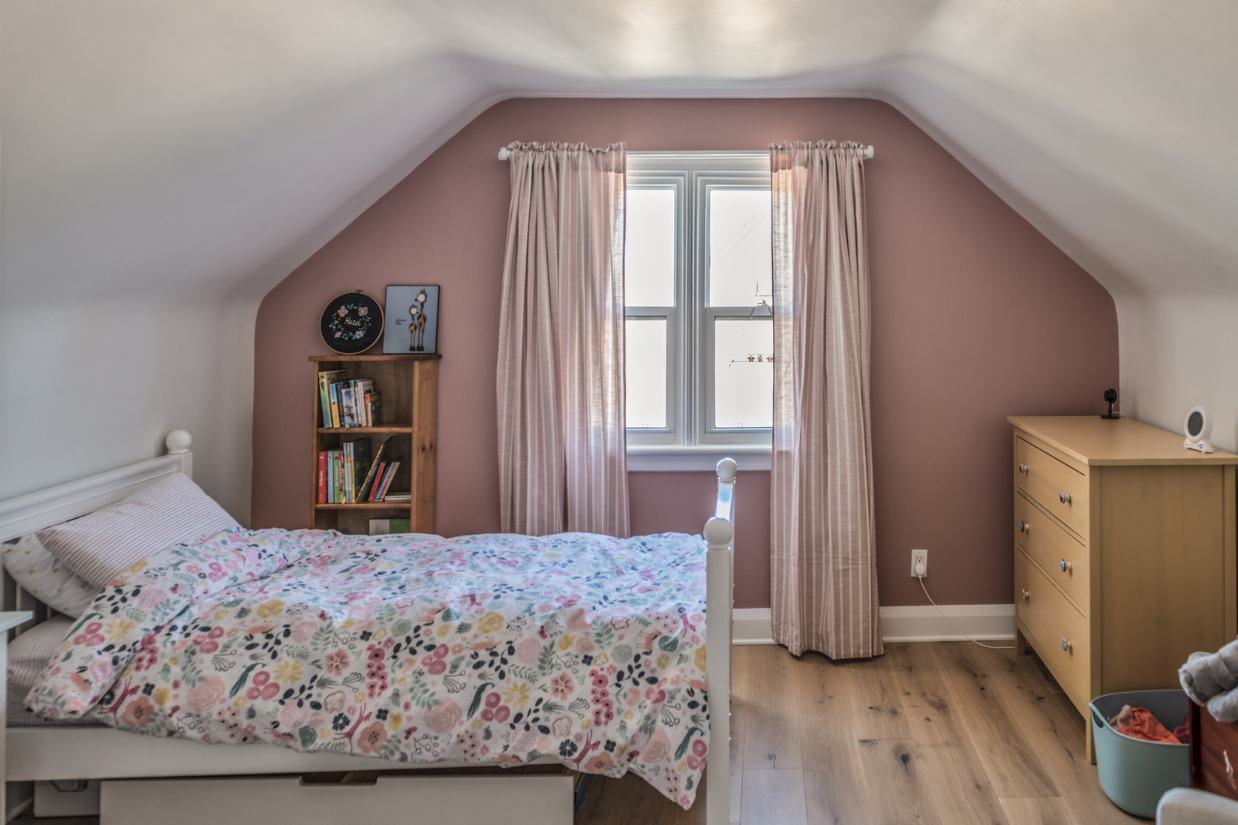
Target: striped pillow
168,511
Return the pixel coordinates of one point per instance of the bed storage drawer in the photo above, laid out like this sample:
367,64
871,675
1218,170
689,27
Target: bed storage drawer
406,800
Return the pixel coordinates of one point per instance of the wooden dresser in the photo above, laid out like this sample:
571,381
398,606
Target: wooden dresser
1124,552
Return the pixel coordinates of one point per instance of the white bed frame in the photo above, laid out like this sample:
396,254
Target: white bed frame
67,753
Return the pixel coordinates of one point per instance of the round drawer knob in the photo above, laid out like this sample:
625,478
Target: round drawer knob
1023,469
1024,594
1064,497
1066,645
1065,566
1024,526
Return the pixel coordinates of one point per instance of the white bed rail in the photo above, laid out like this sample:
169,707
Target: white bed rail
719,534
53,505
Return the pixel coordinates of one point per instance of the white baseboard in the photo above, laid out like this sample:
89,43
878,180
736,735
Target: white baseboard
903,623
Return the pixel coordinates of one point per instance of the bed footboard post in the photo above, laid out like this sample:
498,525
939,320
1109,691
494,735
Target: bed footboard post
719,534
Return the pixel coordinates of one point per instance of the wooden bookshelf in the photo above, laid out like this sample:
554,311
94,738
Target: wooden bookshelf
409,422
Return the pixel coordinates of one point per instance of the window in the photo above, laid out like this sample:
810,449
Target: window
698,289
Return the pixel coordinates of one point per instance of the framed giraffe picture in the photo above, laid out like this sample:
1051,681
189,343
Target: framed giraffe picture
411,320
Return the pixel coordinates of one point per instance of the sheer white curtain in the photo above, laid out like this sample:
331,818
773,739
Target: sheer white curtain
823,567
562,439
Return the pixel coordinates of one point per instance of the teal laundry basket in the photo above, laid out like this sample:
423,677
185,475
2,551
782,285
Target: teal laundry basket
1134,773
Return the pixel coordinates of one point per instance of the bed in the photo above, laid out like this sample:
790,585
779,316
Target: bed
141,775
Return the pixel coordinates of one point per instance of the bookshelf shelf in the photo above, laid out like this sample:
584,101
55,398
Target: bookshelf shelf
404,429
383,430
365,505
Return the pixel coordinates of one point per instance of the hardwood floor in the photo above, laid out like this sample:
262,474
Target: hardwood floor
948,734
929,733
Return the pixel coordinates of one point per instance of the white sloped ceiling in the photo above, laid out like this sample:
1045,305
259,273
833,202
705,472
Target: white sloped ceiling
186,154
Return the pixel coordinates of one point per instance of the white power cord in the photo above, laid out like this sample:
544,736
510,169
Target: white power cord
920,578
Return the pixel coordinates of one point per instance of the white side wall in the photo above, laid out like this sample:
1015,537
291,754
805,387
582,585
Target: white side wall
86,387
1179,351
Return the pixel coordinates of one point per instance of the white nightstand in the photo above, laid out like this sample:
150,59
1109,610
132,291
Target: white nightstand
8,621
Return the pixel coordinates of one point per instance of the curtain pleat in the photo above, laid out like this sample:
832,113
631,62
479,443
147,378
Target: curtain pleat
560,383
823,542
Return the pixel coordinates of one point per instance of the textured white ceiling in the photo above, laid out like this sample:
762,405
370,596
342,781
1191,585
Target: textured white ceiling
206,148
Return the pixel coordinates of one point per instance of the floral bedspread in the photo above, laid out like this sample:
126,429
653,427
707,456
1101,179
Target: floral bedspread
494,649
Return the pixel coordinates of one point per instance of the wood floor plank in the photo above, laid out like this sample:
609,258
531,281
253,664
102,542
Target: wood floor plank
771,732
1013,767
826,701
1047,720
928,706
774,797
894,786
1038,810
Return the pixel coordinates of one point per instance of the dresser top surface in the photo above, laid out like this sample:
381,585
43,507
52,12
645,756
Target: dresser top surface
1095,441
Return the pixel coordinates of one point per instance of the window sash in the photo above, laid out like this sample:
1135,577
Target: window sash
690,323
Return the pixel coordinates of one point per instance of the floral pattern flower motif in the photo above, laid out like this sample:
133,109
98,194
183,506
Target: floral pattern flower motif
495,649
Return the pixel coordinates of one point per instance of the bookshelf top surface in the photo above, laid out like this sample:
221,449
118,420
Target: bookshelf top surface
374,358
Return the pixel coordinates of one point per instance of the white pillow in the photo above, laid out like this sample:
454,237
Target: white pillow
42,575
170,510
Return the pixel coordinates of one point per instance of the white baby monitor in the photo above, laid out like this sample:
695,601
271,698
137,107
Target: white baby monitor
1198,428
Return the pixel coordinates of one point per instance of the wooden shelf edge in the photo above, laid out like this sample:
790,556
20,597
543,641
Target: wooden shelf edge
373,358
365,430
367,505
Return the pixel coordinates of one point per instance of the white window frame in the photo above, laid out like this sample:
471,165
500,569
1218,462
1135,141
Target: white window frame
690,441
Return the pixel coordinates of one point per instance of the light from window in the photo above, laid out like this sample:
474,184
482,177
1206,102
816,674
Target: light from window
645,364
649,248
739,246
743,373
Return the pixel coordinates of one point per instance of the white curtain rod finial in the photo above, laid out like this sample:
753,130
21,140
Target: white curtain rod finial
505,153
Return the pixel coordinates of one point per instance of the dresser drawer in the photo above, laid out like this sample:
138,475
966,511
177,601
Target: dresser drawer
1058,553
1060,489
1058,631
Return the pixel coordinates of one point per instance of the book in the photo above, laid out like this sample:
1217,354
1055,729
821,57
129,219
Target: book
322,477
384,526
330,476
379,475
334,391
364,388
375,402
361,461
367,482
348,409
387,479
325,379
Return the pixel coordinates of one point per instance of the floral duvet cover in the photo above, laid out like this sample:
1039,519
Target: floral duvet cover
488,649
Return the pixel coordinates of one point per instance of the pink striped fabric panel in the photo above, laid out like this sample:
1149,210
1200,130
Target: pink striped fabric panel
560,383
823,542
167,511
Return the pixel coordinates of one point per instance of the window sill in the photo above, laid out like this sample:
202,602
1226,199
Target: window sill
669,458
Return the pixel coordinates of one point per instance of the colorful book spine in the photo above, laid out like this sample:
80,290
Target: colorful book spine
390,477
322,476
372,492
334,390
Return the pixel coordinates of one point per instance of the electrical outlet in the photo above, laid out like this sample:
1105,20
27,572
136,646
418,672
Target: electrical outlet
919,558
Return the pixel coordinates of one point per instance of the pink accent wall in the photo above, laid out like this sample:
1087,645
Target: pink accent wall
975,316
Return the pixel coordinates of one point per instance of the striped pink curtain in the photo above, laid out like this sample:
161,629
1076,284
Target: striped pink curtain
562,438
823,565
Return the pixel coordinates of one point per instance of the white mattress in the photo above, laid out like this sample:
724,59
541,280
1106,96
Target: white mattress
28,655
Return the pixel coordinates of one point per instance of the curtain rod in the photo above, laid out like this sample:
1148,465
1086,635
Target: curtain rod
869,153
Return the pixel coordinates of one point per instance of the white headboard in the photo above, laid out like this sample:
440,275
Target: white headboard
52,505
